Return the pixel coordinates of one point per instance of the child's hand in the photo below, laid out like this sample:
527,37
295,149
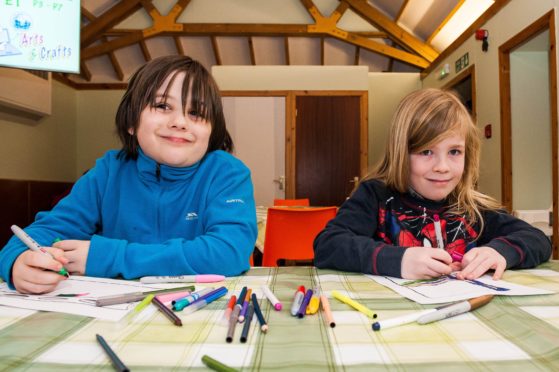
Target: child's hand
34,272
425,263
76,251
477,261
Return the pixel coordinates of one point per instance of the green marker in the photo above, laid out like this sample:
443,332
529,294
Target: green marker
215,365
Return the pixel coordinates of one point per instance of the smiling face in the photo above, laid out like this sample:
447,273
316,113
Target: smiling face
437,170
169,133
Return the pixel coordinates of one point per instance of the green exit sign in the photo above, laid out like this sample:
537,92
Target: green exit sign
461,63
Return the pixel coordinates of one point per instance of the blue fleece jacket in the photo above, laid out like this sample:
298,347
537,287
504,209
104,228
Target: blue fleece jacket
148,219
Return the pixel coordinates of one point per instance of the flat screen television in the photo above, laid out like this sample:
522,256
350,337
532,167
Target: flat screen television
40,34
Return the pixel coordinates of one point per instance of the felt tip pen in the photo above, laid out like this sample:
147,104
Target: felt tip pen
455,309
201,278
329,319
246,327
35,247
229,309
356,305
314,304
202,302
232,323
271,297
167,312
297,300
135,296
181,303
400,320
438,232
303,308
115,360
244,308
259,316
216,365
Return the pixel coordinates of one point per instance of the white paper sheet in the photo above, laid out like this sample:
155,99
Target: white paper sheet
90,289
446,289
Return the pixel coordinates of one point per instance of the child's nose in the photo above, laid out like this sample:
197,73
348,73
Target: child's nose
179,122
442,164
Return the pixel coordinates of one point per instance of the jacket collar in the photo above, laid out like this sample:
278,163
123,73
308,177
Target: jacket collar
151,171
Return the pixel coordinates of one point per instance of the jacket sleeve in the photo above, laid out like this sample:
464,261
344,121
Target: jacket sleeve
75,216
224,247
522,245
347,242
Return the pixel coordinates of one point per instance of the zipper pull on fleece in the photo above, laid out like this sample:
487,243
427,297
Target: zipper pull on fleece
158,172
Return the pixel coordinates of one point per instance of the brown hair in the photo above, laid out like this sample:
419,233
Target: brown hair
422,119
141,92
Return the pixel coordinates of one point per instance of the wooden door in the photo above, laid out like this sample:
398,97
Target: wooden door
327,150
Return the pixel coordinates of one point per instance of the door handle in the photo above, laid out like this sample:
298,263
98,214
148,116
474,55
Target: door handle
281,182
355,180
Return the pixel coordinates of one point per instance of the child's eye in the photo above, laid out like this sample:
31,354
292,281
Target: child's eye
426,152
162,106
195,115
455,152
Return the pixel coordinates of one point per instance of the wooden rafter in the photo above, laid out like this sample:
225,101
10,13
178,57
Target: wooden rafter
115,64
328,25
323,26
251,51
401,11
110,18
445,21
145,50
178,45
286,47
398,34
215,48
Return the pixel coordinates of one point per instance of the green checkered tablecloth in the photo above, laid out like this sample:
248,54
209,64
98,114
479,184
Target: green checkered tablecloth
510,333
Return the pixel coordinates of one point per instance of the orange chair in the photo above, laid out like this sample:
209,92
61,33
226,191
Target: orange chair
291,202
290,232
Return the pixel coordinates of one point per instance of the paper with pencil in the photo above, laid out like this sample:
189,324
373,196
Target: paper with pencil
449,289
77,295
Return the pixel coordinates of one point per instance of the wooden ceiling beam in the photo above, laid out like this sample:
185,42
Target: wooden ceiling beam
215,48
251,50
286,47
145,51
398,34
110,18
178,45
116,65
445,21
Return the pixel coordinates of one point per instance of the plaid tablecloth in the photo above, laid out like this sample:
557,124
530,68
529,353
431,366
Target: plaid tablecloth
510,333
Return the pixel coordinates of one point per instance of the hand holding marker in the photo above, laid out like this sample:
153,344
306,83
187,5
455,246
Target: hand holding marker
34,246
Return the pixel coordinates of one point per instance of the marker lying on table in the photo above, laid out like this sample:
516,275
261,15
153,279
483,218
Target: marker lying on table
431,315
135,296
202,278
455,309
356,305
115,360
35,247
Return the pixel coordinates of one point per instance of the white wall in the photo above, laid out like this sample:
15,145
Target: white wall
531,131
385,93
512,19
95,126
43,150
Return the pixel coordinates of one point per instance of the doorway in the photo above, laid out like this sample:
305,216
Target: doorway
528,96
465,86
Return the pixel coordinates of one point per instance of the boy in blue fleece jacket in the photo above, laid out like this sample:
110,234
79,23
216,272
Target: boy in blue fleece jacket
172,201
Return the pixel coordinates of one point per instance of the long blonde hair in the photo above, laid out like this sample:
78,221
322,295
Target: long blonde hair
422,119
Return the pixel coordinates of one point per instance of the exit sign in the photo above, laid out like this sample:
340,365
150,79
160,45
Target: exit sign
461,63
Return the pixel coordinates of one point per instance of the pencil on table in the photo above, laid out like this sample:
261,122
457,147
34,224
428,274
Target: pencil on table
327,312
